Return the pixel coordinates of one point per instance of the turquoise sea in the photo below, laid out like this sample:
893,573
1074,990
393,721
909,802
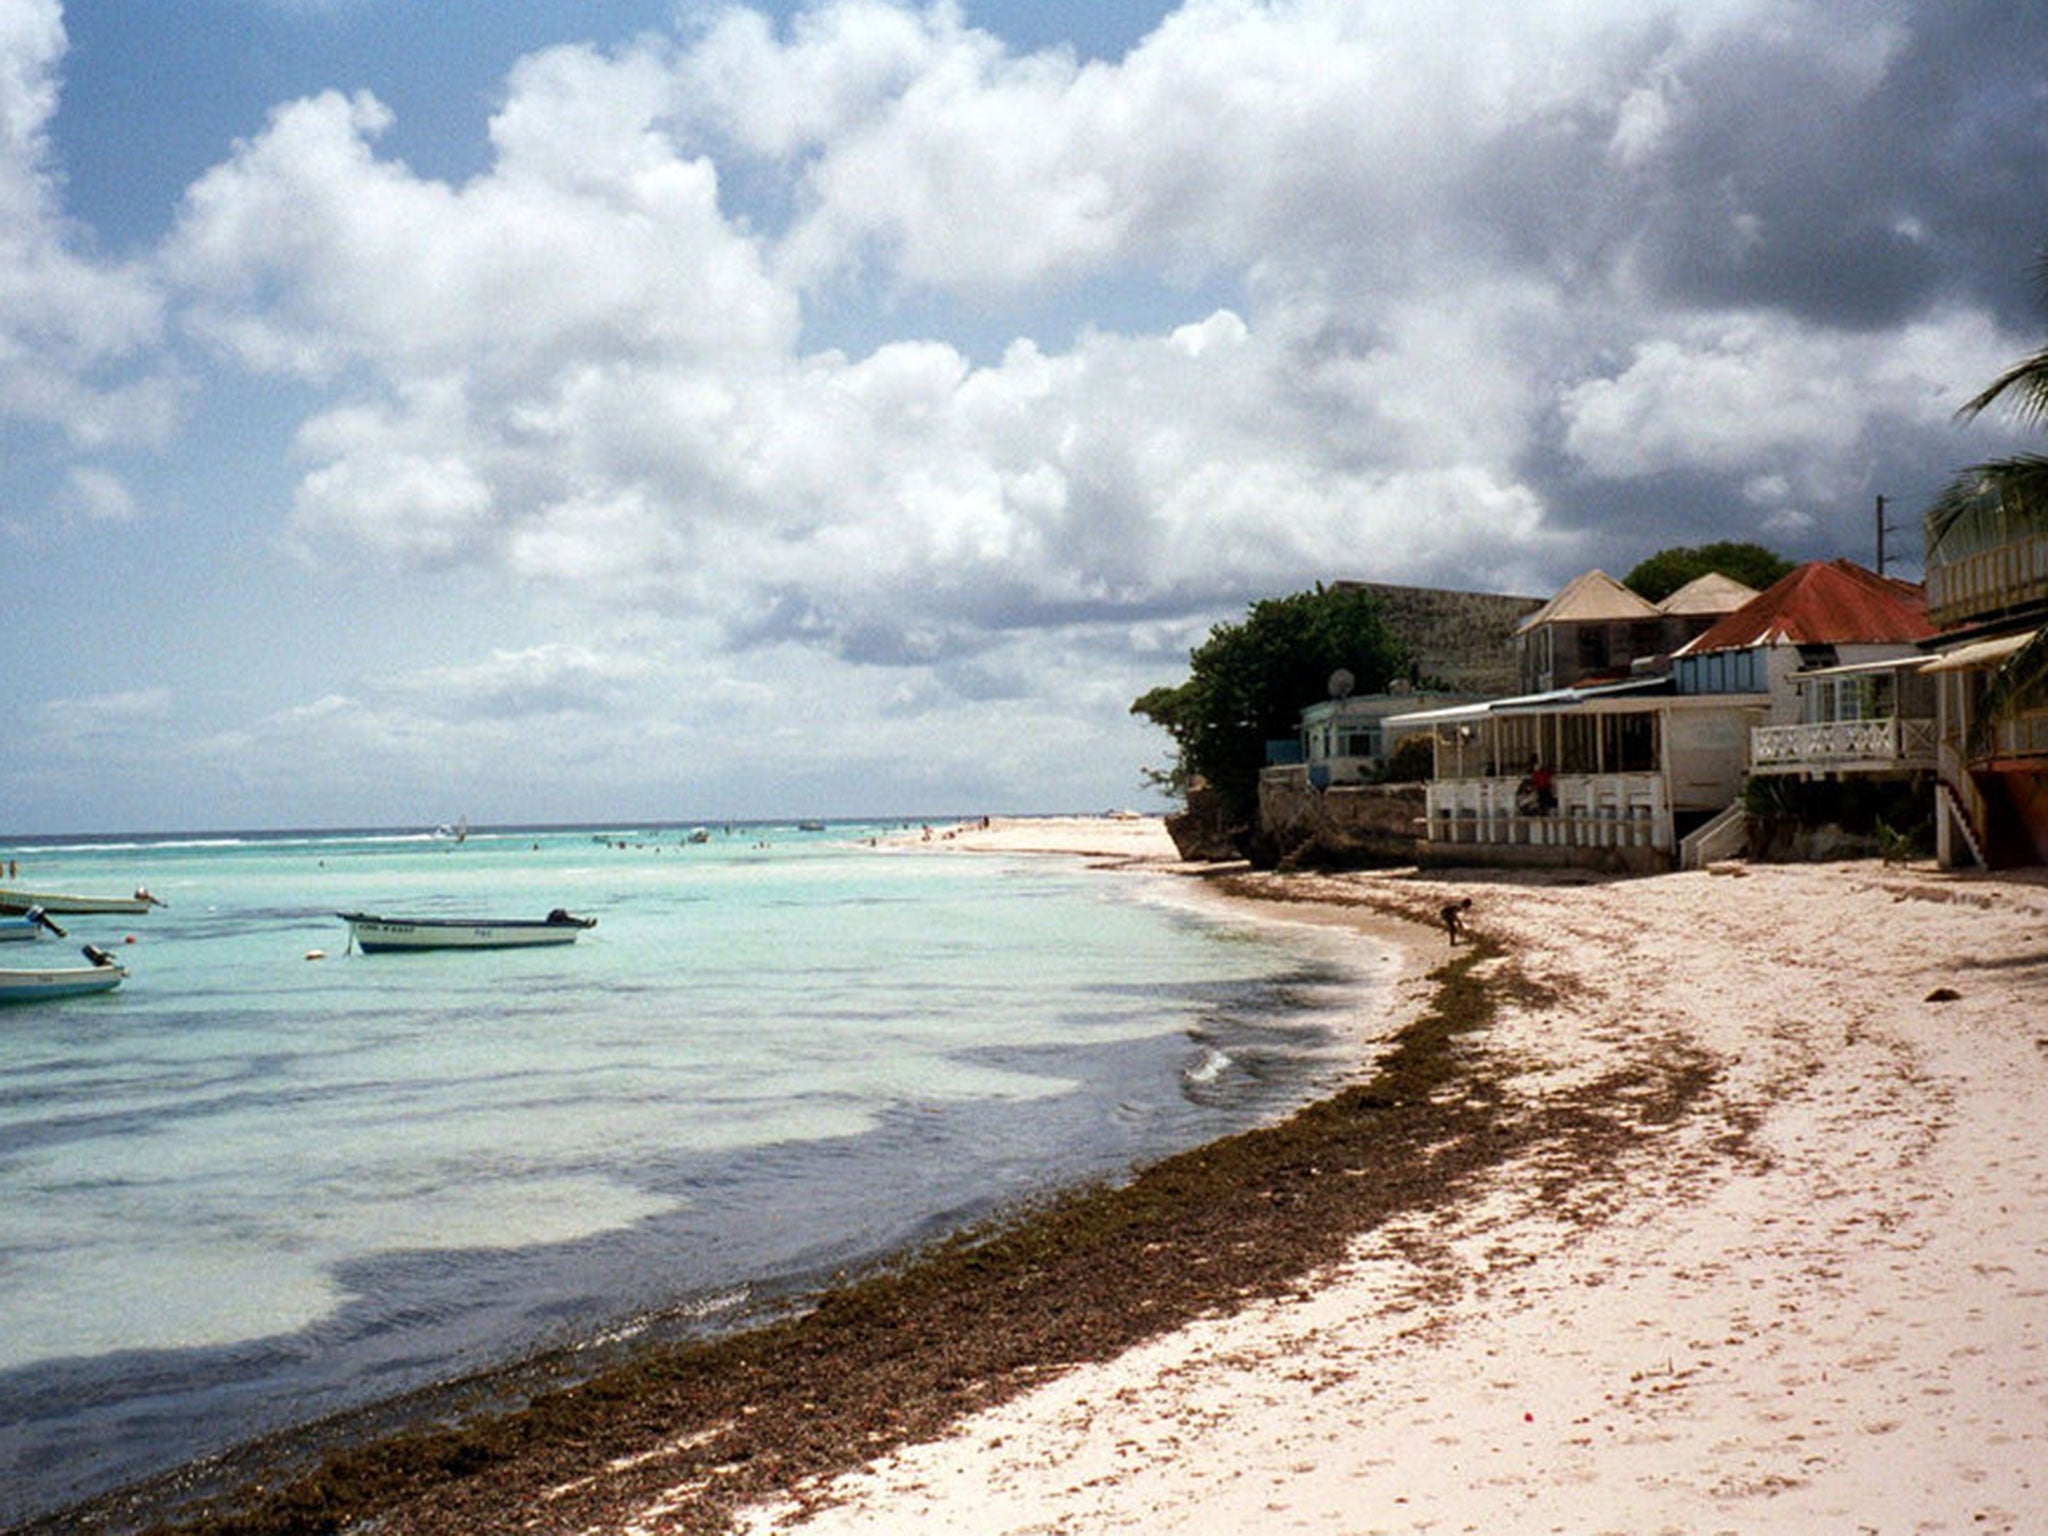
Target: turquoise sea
253,1188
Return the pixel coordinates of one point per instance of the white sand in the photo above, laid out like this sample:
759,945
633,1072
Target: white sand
1137,839
1817,1304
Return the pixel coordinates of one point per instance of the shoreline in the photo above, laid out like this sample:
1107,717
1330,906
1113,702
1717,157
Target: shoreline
1802,1293
1287,1319
359,1477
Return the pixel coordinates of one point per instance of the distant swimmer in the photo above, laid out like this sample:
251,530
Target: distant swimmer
1453,914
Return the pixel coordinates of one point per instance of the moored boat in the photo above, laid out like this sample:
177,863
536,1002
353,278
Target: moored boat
29,925
12,900
374,934
27,984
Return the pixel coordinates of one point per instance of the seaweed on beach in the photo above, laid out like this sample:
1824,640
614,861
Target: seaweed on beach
898,1354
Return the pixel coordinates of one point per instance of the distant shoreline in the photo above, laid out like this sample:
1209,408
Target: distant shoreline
18,843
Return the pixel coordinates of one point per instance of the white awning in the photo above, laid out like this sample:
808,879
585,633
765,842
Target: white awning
1914,662
1655,689
1980,654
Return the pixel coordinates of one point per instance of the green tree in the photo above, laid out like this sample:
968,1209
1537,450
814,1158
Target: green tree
2018,486
1249,682
1669,569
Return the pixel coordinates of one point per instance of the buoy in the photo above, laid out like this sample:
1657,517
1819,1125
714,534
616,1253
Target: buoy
129,940
316,954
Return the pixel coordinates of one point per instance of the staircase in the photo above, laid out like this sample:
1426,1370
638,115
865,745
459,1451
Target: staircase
1954,814
1721,838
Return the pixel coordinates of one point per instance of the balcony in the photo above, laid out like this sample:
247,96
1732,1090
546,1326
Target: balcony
2005,577
2021,738
1844,746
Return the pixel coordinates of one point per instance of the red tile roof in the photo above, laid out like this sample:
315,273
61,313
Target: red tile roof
1825,602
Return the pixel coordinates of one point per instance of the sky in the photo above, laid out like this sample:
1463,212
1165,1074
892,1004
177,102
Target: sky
659,411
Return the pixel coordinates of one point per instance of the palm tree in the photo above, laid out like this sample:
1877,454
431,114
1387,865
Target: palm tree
2018,486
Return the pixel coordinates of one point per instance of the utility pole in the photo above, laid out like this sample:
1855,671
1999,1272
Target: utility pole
1882,530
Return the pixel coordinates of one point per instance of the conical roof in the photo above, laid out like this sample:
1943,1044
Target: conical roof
1595,597
1711,593
1824,602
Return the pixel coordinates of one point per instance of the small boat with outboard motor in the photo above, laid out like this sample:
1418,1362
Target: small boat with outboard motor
374,934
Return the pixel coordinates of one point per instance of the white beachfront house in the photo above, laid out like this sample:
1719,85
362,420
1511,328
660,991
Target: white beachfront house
1641,765
1838,651
1346,740
1634,765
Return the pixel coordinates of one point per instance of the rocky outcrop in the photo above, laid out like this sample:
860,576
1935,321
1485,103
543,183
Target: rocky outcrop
1201,834
1343,827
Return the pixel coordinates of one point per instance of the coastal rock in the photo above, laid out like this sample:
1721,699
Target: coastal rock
1348,826
1200,834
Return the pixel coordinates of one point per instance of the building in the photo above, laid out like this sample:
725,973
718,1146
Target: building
1596,629
1987,590
1824,614
1633,766
1346,741
1592,631
1640,762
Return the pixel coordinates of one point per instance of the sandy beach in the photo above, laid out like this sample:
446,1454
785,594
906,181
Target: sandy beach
1818,1300
1118,838
1711,1202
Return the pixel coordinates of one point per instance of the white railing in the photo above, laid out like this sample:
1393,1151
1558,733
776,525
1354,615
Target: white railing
2006,576
1868,745
1614,810
1722,838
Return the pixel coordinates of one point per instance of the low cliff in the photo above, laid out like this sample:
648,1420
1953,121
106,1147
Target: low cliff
1345,826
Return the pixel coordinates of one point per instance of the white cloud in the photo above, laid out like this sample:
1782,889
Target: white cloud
582,371
1289,292
69,324
97,495
1742,393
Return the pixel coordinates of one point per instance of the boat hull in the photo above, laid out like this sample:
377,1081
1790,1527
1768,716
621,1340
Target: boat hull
57,901
20,986
392,935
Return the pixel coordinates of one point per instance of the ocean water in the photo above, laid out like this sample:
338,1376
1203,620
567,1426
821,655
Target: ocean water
251,1188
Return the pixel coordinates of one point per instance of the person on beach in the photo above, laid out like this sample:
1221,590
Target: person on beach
1453,914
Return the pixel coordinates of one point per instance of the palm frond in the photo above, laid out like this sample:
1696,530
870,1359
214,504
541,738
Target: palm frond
2018,486
2027,380
2020,683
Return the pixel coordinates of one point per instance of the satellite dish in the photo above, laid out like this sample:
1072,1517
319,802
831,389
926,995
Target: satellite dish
1341,684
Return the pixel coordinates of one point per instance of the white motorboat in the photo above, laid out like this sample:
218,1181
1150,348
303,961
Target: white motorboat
34,983
374,934
15,901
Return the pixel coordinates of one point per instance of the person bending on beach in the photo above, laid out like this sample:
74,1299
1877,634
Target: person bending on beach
1453,915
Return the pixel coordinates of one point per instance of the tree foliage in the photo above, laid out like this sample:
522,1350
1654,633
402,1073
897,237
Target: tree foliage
1669,569
1248,684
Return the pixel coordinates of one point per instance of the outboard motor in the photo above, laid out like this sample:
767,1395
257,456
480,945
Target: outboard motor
38,916
96,955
